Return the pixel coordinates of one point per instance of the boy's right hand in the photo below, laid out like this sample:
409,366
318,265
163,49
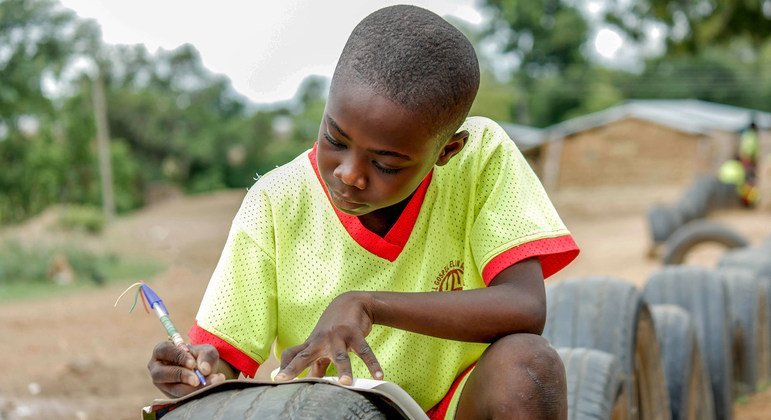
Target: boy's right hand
172,368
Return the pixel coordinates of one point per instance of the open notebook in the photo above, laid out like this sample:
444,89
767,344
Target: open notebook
396,399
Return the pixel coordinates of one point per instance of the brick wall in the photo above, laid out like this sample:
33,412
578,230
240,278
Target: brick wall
628,152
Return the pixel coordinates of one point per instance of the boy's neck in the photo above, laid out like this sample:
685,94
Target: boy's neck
381,221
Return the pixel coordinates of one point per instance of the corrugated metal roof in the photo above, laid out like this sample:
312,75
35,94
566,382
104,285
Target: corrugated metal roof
687,115
525,137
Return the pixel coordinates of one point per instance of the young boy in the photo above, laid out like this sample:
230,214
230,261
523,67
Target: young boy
406,236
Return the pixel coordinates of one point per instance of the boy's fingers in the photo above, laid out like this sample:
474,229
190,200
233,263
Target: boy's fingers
297,364
215,378
343,363
319,368
167,374
207,358
289,354
364,351
167,353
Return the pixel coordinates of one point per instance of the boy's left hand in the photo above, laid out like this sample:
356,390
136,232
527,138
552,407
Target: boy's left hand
342,328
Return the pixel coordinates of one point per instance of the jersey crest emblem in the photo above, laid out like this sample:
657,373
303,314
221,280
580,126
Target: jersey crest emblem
450,278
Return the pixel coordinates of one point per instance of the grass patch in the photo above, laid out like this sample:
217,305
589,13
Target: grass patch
87,219
33,272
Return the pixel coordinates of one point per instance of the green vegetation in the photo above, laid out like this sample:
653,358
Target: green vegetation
87,219
39,271
714,50
172,121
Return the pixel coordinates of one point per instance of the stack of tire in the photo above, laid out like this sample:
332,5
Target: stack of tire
682,226
604,331
684,347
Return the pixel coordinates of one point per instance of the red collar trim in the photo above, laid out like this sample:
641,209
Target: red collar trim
390,246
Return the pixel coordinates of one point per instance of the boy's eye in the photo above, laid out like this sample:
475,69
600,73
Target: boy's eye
383,169
336,144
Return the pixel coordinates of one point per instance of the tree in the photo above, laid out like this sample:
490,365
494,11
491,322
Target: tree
692,26
545,35
39,41
547,38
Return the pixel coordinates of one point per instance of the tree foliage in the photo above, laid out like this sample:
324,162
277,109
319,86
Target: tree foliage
692,26
716,50
545,35
171,120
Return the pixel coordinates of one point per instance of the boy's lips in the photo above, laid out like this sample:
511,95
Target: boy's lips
343,202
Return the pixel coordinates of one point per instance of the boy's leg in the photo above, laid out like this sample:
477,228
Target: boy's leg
519,376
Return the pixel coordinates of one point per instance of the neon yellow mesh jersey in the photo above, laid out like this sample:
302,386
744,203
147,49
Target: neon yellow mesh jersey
289,253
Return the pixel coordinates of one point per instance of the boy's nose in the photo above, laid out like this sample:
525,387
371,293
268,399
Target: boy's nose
351,173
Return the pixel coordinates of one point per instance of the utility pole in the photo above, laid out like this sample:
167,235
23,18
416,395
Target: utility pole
103,145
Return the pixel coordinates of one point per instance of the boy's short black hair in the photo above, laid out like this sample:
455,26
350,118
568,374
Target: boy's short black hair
415,58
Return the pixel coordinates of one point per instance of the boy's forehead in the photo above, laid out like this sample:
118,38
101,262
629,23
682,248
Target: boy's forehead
360,98
359,111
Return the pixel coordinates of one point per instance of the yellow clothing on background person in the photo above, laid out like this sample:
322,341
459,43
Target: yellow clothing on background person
290,252
748,145
732,172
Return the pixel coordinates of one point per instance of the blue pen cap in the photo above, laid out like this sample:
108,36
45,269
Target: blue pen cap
152,298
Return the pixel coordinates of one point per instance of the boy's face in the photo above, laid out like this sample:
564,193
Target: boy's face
373,153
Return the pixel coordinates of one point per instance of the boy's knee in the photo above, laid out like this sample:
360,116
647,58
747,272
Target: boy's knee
529,376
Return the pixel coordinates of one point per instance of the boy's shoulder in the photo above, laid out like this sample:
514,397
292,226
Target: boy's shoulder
282,181
487,140
485,135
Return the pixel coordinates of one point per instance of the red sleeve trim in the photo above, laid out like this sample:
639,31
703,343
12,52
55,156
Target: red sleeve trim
228,352
553,253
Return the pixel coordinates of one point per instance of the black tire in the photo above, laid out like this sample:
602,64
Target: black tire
696,200
594,382
690,396
663,220
609,314
295,401
685,238
757,260
701,292
747,296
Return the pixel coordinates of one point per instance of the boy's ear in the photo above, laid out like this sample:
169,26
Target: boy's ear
453,147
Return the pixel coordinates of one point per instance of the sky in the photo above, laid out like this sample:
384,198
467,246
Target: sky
266,48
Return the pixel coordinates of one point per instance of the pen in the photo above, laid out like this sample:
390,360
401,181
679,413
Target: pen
163,315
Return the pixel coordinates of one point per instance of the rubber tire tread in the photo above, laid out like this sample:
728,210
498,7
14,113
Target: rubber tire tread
682,360
685,238
696,201
747,296
663,220
290,401
702,293
604,313
594,383
758,260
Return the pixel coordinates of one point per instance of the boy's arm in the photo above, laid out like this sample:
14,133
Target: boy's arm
514,302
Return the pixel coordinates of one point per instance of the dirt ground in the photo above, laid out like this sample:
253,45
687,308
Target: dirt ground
75,356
